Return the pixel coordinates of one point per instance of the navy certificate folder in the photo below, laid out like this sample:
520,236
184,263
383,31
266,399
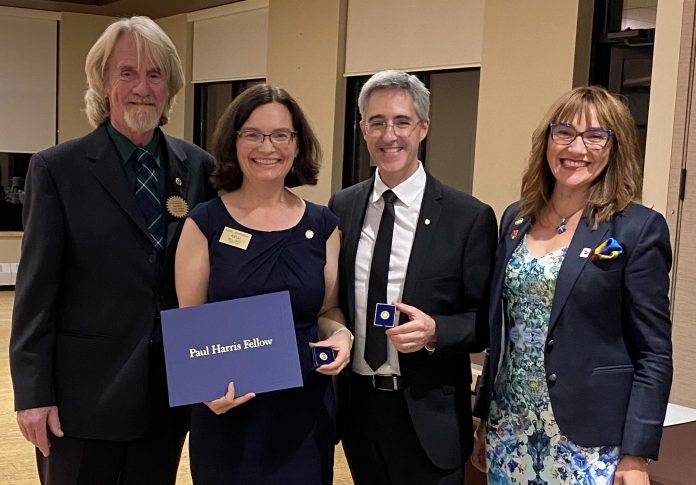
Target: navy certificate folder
250,341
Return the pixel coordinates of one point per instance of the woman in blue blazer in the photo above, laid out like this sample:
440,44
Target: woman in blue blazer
577,377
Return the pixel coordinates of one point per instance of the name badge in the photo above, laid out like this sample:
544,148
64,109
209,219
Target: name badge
385,315
235,238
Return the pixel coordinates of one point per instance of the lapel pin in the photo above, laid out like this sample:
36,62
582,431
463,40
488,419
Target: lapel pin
309,234
514,233
519,221
585,252
178,181
427,222
177,206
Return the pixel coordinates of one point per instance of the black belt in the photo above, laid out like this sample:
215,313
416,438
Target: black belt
383,382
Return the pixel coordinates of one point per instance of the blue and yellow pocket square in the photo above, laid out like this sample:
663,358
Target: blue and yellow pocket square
609,249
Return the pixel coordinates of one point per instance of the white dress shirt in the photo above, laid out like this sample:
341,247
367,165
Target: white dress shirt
406,210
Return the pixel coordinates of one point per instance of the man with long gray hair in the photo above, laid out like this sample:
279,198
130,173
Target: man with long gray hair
102,218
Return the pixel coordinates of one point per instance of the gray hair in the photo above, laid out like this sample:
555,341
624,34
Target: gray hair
397,80
158,47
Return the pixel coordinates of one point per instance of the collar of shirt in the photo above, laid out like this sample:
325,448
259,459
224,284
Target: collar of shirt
407,191
125,147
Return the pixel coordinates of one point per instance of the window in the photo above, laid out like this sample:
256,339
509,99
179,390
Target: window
210,101
622,53
448,150
13,170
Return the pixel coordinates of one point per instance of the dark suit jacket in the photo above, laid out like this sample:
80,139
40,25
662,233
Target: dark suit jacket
446,278
90,287
608,341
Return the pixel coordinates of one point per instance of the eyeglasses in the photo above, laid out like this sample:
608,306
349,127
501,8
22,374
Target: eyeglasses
278,138
594,138
403,127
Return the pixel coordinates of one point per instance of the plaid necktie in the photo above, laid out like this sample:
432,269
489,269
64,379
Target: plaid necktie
147,195
375,338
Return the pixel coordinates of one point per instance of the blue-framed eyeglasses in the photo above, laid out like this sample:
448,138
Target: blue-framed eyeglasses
594,138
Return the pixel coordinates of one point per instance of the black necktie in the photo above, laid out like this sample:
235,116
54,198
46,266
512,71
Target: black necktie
147,195
375,338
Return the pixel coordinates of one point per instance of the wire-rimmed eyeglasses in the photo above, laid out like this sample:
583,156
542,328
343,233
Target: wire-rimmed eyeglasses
401,127
253,137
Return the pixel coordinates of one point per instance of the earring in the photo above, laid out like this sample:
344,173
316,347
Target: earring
293,170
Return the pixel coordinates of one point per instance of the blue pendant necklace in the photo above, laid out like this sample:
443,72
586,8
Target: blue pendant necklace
562,227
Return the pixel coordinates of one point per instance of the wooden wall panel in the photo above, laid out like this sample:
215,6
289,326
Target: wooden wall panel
683,222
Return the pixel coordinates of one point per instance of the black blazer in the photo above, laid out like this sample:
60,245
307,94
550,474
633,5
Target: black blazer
89,287
447,278
608,341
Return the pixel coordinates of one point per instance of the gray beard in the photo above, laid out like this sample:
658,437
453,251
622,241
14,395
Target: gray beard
142,120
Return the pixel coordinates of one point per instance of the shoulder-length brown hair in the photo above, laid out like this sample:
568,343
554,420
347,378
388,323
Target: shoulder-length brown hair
227,175
617,186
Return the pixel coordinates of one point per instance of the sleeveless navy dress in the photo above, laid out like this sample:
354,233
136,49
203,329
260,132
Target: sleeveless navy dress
282,436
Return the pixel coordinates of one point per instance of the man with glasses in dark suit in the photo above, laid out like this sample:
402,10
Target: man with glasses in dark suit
404,406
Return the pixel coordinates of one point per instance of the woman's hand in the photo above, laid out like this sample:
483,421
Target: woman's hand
228,401
632,470
478,455
331,322
340,342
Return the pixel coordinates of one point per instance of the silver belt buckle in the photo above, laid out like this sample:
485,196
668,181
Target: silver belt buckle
395,383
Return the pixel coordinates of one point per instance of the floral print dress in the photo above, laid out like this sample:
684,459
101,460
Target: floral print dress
523,442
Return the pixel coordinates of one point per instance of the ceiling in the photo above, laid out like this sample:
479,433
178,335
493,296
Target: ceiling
119,8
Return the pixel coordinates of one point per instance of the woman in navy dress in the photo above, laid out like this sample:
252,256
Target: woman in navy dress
263,145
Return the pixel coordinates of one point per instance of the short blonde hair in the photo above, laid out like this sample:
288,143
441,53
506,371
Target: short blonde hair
617,186
159,49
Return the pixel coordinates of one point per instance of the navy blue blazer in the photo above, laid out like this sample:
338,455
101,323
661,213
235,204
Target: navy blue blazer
608,352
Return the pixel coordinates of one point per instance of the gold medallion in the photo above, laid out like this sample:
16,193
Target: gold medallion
177,206
384,315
